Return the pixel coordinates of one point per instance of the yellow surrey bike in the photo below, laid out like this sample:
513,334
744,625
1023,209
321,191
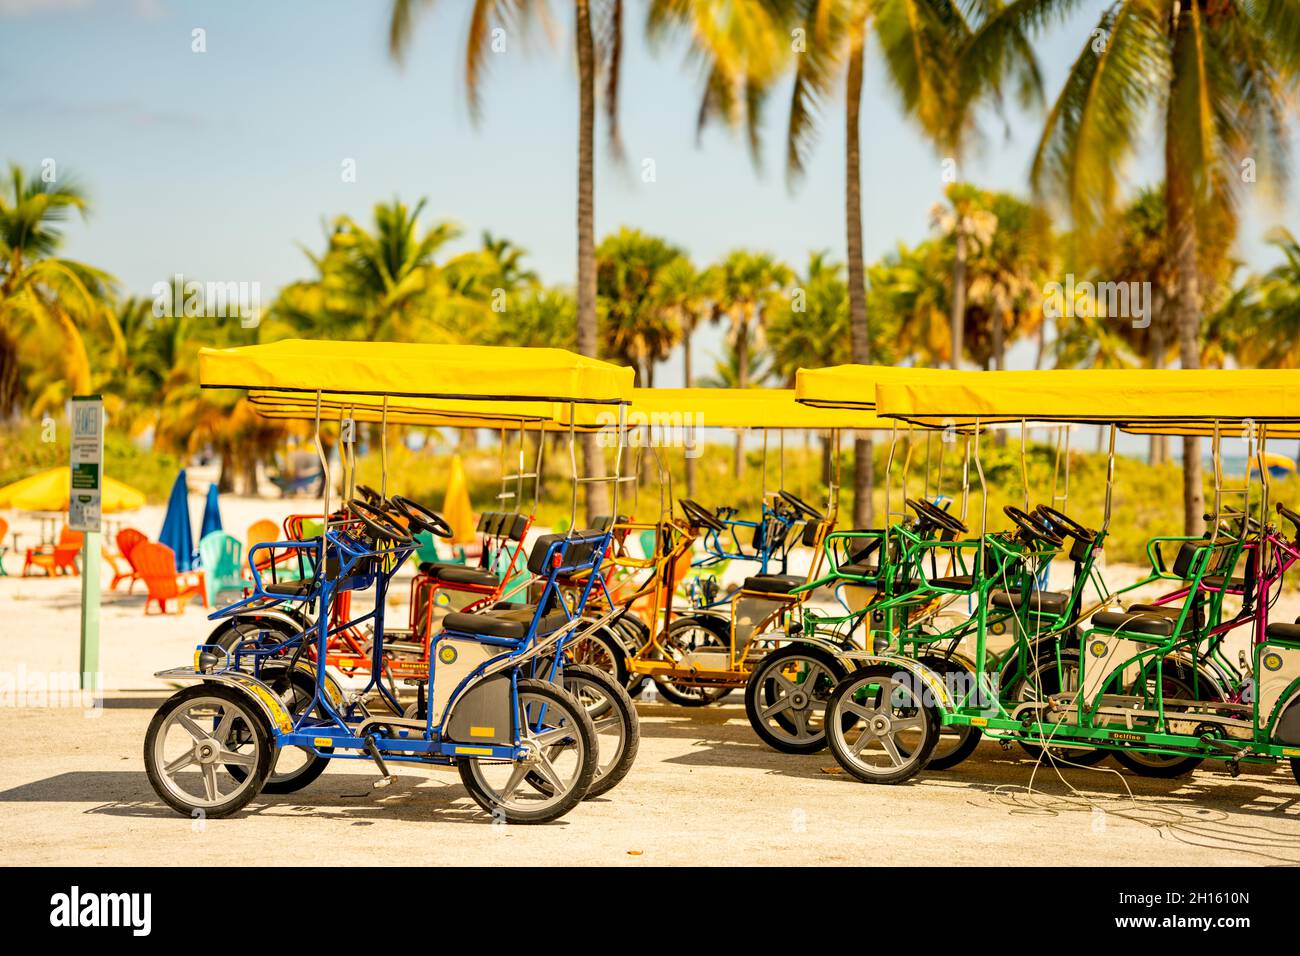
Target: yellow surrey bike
1123,692
697,655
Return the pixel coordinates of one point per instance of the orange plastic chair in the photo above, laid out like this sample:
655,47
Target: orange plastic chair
127,539
58,558
260,532
156,566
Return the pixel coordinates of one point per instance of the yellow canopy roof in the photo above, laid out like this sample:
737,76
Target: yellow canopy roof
48,491
853,386
1227,430
1095,396
432,412
742,408
416,370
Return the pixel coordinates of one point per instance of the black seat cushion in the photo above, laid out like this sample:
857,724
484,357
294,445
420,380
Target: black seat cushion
1139,622
463,574
290,588
1284,631
511,624
433,567
773,583
579,548
1040,602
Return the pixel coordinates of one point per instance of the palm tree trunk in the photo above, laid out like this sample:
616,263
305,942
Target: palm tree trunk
1159,450
958,294
597,496
1186,305
859,332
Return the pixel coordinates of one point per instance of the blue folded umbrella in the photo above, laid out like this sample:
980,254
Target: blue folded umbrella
176,532
211,513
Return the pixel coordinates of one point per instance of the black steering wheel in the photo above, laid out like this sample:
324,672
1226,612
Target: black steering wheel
1034,529
700,517
938,516
380,524
800,506
369,495
1063,522
421,518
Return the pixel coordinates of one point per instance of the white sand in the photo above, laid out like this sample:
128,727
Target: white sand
704,790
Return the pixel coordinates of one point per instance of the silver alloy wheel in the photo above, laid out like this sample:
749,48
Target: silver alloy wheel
197,742
556,753
611,734
790,704
889,730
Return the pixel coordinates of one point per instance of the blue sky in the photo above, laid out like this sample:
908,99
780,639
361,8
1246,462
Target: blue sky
219,165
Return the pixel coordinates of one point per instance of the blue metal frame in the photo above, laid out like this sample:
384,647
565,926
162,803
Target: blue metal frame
357,566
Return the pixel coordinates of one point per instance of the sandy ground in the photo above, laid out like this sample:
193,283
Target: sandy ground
703,791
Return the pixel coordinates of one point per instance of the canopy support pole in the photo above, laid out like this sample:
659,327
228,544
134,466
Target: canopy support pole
1265,550
1110,479
325,470
965,480
984,506
573,469
833,505
1024,466
889,470
383,452
1216,454
618,458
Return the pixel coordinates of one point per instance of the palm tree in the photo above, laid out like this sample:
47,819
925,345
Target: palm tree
809,328
508,259
383,282
596,60
1005,276
640,329
969,226
917,38
687,295
1217,74
46,302
749,285
1260,322
907,292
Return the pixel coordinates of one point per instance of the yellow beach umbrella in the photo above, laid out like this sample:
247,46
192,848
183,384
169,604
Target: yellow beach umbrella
48,491
456,507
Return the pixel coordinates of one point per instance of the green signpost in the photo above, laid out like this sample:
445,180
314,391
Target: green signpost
84,515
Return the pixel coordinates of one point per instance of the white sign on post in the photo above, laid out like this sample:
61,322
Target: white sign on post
87,464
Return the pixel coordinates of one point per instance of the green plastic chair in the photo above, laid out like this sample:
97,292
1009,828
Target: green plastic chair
649,542
428,550
222,559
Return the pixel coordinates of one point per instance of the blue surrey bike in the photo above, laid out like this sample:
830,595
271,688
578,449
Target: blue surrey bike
525,747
